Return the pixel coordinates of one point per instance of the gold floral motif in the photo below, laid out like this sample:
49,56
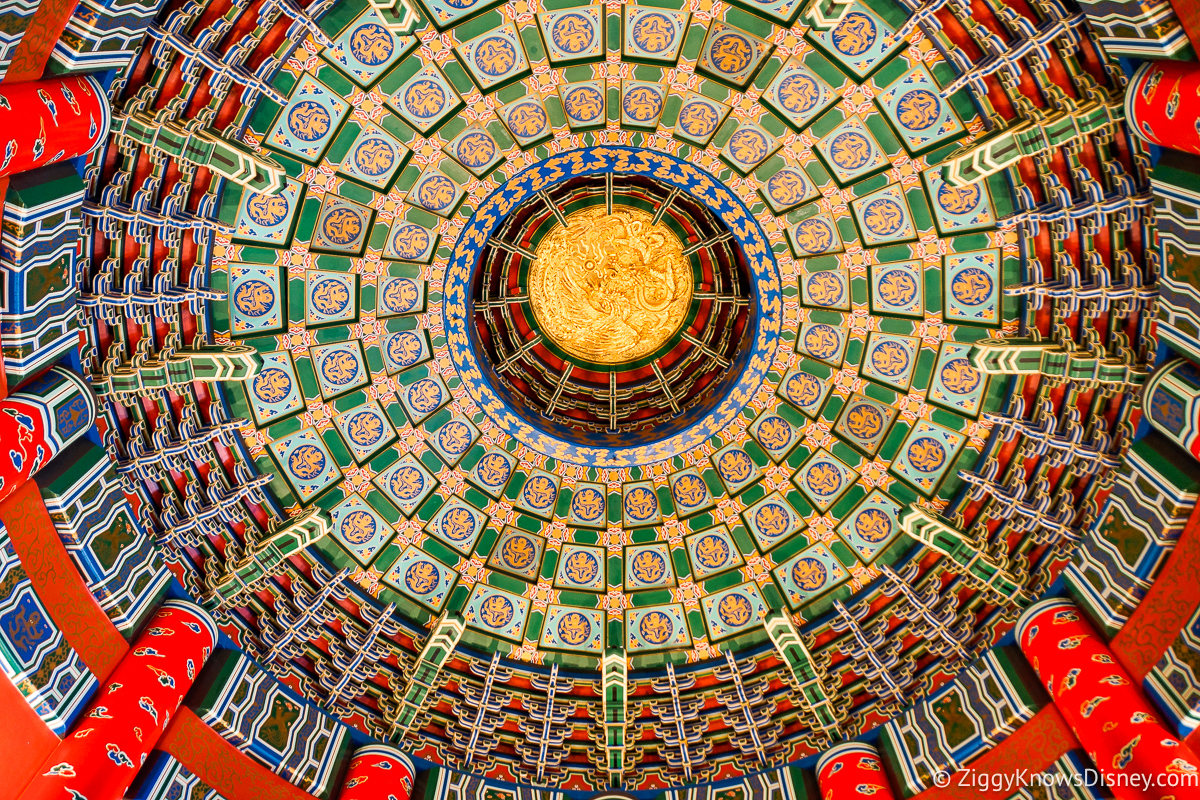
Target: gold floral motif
610,288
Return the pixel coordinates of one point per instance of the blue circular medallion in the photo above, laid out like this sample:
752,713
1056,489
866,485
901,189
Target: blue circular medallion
422,577
374,157
855,34
518,552
410,241
527,120
493,470
730,53
823,478
640,504
365,428
407,483
476,150
772,520
850,150
254,298
689,492
306,462
958,376
918,109
809,574
574,628
822,341
890,358
712,551
454,437
897,287
436,193
873,525
358,527
813,236
656,627
496,611
404,348
272,385
803,389
642,104
267,210
425,396
648,566
572,34
926,454
971,286
654,33
883,217
425,98
958,199
825,288
308,120
698,119
584,104
539,493
798,93
735,610
400,295
735,466
457,524
339,368
588,505
495,56
581,568
342,226
748,146
372,44
330,296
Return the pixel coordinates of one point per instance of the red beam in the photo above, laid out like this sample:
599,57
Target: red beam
25,741
1165,609
33,51
1188,12
58,584
229,771
1036,745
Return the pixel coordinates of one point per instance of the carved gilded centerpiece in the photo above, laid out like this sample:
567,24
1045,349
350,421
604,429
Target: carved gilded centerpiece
610,288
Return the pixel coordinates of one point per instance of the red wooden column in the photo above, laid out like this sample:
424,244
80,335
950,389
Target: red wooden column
1107,712
39,422
852,770
102,756
1163,106
44,122
378,772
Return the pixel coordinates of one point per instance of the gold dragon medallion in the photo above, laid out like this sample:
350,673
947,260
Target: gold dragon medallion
610,288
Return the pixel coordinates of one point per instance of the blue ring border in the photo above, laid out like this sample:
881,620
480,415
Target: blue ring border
458,306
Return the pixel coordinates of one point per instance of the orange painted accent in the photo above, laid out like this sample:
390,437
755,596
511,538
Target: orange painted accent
37,43
58,584
1165,609
1193,741
1189,17
25,741
1036,745
229,771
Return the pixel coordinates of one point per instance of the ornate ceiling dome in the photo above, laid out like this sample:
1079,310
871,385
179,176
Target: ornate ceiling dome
648,357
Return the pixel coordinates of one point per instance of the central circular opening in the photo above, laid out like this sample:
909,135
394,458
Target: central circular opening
610,287
612,305
612,309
